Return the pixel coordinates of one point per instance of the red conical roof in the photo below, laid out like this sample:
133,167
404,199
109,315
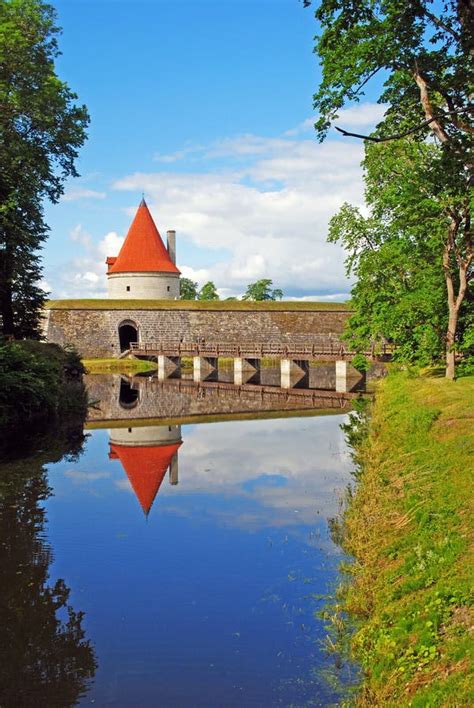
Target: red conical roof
145,468
143,250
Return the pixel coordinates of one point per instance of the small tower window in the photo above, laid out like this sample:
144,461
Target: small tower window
168,288
128,288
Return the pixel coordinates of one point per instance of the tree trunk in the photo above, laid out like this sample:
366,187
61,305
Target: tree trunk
6,306
6,311
454,301
450,341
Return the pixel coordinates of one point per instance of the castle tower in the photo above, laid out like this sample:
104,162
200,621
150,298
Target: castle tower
144,268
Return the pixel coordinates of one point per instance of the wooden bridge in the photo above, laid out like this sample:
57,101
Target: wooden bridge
294,358
324,349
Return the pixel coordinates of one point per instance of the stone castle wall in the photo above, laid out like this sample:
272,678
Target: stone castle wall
94,333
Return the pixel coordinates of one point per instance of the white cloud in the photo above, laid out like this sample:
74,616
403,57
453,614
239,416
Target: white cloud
360,114
86,276
271,215
44,285
264,211
78,235
75,193
110,245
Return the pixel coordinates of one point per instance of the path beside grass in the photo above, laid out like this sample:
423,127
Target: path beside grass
410,528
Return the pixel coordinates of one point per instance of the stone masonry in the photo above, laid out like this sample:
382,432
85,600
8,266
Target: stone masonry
94,333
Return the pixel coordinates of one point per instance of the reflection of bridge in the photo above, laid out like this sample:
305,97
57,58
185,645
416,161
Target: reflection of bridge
293,358
179,399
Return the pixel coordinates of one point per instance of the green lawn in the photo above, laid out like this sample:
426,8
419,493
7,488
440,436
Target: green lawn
410,529
218,306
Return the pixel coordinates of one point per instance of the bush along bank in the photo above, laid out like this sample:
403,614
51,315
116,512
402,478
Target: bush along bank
39,383
406,607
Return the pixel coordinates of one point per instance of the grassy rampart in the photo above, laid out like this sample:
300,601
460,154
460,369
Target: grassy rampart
409,527
210,306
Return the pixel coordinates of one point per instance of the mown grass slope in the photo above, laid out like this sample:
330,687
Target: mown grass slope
409,526
217,306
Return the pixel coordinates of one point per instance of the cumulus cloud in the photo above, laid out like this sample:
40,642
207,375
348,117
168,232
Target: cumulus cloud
258,206
270,214
85,276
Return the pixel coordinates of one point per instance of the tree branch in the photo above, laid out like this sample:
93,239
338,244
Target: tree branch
398,136
439,23
460,124
375,139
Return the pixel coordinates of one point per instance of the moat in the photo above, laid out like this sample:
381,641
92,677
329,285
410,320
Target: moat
198,552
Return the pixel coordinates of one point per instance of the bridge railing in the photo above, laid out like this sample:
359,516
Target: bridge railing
326,346
320,347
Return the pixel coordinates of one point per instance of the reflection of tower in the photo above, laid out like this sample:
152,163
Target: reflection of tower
146,453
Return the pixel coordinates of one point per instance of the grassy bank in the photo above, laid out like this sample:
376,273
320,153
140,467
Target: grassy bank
117,366
409,527
207,305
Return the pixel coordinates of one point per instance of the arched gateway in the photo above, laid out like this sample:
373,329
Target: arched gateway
128,334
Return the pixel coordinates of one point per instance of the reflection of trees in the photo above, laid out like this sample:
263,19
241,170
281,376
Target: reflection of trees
45,659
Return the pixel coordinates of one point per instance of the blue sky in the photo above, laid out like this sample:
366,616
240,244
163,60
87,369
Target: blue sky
206,106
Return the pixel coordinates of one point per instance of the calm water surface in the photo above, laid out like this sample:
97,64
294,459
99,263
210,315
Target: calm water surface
197,554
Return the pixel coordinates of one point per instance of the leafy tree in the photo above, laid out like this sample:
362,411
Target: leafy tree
404,250
208,292
188,289
41,130
424,53
262,290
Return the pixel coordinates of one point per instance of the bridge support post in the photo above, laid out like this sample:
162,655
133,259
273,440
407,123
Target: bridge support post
238,371
165,364
161,367
341,376
204,367
285,371
246,370
294,371
174,469
197,367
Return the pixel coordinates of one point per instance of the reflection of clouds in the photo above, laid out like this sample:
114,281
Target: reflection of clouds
278,473
124,485
85,477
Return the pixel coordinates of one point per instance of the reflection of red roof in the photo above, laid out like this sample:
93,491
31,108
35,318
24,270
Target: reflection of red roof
145,468
143,250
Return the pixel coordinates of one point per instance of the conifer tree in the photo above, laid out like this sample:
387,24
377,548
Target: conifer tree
41,131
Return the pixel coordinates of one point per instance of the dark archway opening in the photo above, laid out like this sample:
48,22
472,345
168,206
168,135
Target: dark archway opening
128,333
